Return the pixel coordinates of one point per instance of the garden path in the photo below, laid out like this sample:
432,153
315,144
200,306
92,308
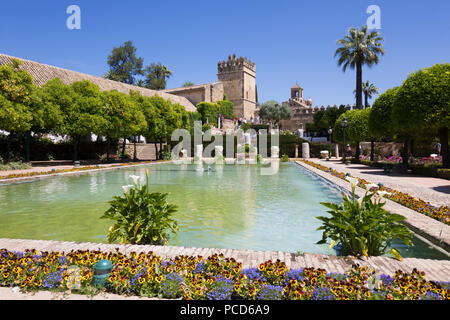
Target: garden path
433,190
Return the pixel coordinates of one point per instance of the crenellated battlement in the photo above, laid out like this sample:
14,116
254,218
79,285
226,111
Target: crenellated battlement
236,64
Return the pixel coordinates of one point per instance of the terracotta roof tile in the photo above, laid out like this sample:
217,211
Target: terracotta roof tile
42,73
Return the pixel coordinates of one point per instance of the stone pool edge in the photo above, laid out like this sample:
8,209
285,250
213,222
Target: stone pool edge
432,230
81,171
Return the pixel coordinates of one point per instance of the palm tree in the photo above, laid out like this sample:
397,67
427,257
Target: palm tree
368,90
357,48
156,75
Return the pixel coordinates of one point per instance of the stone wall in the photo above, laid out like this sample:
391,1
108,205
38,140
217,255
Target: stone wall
228,124
209,92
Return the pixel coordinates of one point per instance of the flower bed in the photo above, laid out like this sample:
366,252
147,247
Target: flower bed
75,169
212,278
441,214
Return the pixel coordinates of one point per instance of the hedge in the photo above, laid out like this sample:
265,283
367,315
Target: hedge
443,173
429,170
287,146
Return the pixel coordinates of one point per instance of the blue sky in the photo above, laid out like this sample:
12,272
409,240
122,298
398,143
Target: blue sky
290,41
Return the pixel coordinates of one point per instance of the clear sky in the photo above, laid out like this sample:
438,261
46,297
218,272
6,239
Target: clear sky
290,40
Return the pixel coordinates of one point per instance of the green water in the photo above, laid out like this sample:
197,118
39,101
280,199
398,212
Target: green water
229,207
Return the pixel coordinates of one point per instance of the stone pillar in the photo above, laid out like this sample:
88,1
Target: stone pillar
275,152
218,151
336,150
305,150
296,151
198,151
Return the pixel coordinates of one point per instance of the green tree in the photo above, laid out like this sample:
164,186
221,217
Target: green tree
80,106
381,126
162,117
319,121
357,130
358,48
188,84
124,65
156,75
380,120
123,116
273,112
16,98
368,90
423,102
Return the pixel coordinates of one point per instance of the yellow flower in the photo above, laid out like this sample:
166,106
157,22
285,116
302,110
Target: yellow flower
348,289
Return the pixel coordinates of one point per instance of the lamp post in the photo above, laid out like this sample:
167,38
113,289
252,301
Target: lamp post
344,124
330,131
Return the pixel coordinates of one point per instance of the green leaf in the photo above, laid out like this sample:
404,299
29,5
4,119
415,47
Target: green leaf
396,254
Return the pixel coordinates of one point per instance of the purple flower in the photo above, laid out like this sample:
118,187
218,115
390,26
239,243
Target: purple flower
221,289
252,274
270,292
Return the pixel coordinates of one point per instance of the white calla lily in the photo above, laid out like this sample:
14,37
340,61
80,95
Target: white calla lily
371,186
353,181
135,178
383,193
126,188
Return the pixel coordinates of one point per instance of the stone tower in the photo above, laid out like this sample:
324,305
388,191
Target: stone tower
238,76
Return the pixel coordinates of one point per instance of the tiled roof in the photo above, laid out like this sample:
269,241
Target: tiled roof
42,73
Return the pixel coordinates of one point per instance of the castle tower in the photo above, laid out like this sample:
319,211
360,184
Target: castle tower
297,92
238,76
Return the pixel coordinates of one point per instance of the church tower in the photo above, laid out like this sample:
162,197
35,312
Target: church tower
238,76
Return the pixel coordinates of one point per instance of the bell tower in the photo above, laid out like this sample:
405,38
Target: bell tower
297,92
238,76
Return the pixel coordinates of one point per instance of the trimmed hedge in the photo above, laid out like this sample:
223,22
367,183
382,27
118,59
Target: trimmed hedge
429,170
381,165
443,173
210,111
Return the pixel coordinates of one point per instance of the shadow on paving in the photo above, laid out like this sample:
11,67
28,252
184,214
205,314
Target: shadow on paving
443,189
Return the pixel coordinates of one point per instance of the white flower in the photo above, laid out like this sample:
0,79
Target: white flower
126,188
353,181
383,193
135,178
371,186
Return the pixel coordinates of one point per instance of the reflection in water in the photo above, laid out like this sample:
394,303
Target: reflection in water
231,206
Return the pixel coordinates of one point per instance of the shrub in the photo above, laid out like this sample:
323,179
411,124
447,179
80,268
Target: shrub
443,173
284,158
245,126
362,227
429,170
141,217
14,166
